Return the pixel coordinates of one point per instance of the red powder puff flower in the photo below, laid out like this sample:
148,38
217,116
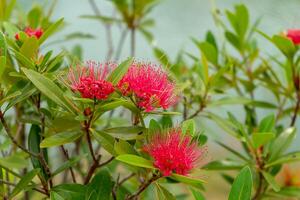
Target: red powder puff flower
294,35
174,152
30,32
150,85
90,81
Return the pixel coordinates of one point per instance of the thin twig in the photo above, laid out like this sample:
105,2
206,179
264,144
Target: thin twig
65,153
13,184
296,110
8,132
143,187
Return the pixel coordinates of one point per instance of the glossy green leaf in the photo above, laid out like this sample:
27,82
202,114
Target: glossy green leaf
66,165
187,179
163,193
26,179
15,161
106,141
50,30
125,133
197,195
242,185
123,147
48,88
285,45
284,159
223,165
120,71
60,139
209,51
271,180
267,124
189,127
135,161
281,143
30,47
3,52
230,101
260,139
34,139
100,186
71,191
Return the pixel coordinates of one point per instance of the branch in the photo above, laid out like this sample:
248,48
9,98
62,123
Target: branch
143,187
65,153
294,117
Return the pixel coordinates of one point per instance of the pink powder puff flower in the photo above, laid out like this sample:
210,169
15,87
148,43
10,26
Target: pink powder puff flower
150,85
174,152
30,32
90,81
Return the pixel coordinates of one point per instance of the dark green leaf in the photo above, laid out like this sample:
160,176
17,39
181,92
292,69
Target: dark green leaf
26,179
60,139
71,191
242,185
135,161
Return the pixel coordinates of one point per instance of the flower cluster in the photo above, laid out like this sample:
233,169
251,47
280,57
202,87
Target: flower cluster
90,81
294,35
174,152
150,85
30,32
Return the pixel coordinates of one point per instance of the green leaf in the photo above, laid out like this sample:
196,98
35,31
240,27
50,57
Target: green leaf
14,162
34,16
23,60
230,101
267,124
126,133
186,179
120,71
162,57
223,165
26,92
123,147
242,185
106,141
100,187
281,143
71,162
234,40
30,48
291,191
197,195
26,179
71,191
55,196
271,180
48,88
209,51
285,45
189,127
135,161
260,139
50,30
164,194
34,139
115,104
3,52
154,126
60,139
284,159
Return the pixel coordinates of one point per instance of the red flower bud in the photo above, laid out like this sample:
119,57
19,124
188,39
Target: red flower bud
294,35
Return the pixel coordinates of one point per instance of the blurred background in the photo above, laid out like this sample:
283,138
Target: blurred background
176,22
